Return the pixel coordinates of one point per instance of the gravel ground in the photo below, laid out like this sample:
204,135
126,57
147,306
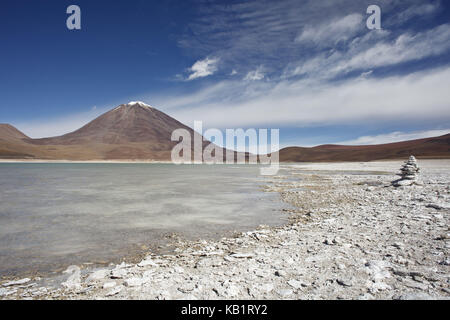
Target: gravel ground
352,236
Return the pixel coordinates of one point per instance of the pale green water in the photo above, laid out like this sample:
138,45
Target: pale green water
53,215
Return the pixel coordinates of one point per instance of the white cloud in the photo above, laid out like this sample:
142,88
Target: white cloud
416,11
373,51
397,136
331,32
203,68
407,47
276,34
414,97
255,75
366,74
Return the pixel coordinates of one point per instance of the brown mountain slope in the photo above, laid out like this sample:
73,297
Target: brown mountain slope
130,131
8,133
128,123
437,147
13,143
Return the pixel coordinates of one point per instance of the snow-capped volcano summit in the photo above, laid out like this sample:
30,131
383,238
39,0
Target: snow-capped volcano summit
139,103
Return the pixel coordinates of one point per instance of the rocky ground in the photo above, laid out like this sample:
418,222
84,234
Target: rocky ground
352,236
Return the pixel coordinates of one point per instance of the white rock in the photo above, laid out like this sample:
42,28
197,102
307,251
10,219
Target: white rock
133,282
232,291
109,285
16,282
114,291
98,275
267,287
178,269
378,269
285,292
295,284
119,273
378,286
7,292
74,280
147,262
241,255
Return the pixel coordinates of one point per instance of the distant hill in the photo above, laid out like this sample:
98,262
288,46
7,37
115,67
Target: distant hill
137,131
8,132
437,147
13,143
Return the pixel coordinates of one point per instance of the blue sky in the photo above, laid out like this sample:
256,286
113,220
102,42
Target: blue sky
310,68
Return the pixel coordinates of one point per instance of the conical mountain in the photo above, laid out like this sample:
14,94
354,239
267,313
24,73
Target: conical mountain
135,131
134,122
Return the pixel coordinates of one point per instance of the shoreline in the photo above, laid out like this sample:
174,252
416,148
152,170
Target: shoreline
350,237
5,160
80,161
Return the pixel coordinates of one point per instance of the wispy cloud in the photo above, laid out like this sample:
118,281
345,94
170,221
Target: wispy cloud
277,34
255,75
332,32
374,51
397,136
407,47
411,98
203,68
417,11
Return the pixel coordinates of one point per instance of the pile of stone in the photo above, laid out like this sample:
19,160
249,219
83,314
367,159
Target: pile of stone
408,173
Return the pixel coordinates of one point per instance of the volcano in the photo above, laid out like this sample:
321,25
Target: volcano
130,131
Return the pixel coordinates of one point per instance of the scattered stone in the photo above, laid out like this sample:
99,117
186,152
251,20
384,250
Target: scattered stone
285,292
133,282
114,291
295,284
266,288
118,273
232,291
74,280
16,282
416,296
434,206
109,285
344,282
147,262
445,262
98,275
378,270
366,296
7,292
280,273
241,255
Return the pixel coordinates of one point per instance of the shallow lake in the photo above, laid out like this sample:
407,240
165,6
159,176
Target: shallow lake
56,214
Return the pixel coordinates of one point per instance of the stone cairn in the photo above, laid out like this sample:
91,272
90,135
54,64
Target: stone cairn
408,173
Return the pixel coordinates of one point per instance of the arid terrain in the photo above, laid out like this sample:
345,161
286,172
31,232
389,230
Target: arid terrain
352,236
432,148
